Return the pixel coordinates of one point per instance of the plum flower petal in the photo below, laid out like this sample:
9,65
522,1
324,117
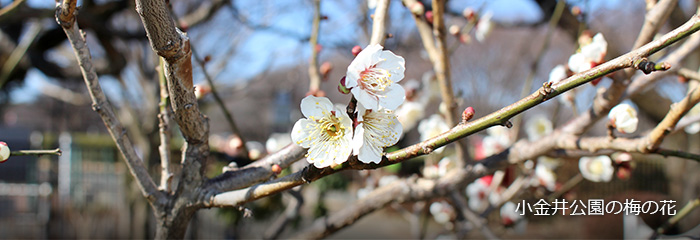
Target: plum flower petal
624,118
326,131
537,127
373,77
442,212
596,169
409,114
694,127
557,74
589,55
376,130
484,27
431,127
510,213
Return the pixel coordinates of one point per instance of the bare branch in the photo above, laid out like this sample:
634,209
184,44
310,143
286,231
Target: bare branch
379,23
164,131
255,172
65,12
174,47
314,74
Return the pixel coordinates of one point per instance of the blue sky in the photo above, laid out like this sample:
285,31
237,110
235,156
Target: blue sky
258,50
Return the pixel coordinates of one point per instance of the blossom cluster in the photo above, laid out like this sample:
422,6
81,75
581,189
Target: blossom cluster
332,135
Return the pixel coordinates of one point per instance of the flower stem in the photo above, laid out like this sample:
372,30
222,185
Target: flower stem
56,152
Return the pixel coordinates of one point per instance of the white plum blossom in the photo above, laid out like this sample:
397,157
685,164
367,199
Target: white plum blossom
557,74
386,180
4,152
439,170
545,176
509,215
551,163
479,193
376,130
544,173
596,169
590,55
372,4
373,77
490,145
277,141
693,128
484,27
442,212
326,131
501,135
537,127
497,140
431,127
624,118
409,114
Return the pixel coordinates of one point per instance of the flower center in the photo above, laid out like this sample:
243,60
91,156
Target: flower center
330,127
596,167
375,79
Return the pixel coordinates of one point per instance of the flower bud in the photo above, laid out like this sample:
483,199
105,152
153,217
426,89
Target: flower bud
429,16
318,48
316,93
454,30
624,118
4,152
576,10
276,168
325,69
201,90
341,87
468,114
356,50
468,13
417,8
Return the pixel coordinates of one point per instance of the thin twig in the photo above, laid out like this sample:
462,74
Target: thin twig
441,66
56,152
527,87
685,211
688,74
379,23
314,74
222,105
16,56
65,13
678,153
164,131
291,212
677,111
478,221
571,183
8,10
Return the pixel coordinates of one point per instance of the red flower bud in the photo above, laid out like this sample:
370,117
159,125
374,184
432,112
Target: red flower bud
468,114
325,69
356,50
429,16
276,168
341,87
